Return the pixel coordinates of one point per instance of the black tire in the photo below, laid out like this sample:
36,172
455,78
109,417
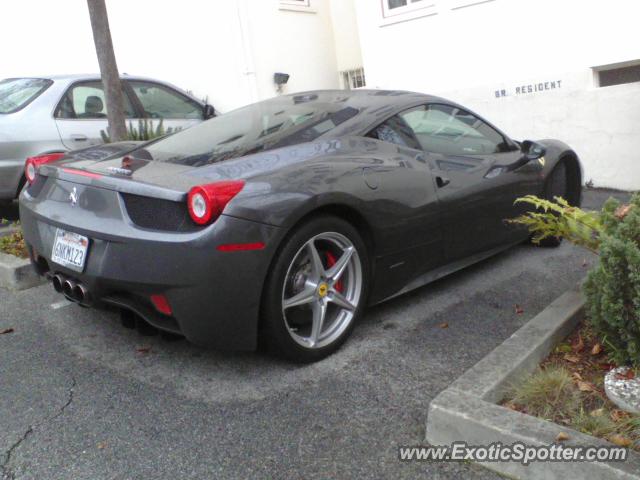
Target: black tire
556,186
275,331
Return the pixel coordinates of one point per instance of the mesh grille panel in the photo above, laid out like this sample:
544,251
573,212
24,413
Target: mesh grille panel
158,214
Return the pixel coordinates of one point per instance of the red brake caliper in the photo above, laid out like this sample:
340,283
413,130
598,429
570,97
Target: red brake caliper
331,261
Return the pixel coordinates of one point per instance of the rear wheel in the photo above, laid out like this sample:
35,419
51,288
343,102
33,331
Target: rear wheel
316,290
556,186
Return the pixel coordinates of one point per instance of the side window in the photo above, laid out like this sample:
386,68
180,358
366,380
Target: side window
86,101
452,131
159,101
395,130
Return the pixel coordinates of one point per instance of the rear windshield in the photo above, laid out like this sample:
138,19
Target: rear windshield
16,93
274,123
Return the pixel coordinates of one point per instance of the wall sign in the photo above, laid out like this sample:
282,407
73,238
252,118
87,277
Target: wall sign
530,88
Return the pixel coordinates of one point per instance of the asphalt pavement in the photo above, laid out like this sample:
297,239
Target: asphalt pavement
82,397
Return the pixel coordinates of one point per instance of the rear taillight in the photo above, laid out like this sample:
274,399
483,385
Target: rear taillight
33,163
206,202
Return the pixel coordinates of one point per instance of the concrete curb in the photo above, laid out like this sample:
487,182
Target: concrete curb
468,411
17,273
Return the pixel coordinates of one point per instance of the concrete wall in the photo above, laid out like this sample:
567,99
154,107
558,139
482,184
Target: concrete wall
225,50
467,54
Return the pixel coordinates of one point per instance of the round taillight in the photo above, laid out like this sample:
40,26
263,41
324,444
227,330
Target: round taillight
30,171
207,202
199,206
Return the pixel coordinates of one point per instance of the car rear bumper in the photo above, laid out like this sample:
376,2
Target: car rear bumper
214,295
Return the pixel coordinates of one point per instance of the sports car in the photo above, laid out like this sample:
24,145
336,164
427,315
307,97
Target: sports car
279,222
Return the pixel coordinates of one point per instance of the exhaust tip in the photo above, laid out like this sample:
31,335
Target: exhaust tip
81,294
67,288
57,282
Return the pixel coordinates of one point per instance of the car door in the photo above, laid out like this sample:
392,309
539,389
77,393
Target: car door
414,241
158,101
476,169
81,115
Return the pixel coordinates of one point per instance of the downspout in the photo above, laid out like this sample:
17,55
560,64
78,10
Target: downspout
248,70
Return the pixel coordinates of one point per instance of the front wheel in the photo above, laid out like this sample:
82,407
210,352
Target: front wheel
316,290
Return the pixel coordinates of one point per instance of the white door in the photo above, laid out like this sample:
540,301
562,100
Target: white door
81,116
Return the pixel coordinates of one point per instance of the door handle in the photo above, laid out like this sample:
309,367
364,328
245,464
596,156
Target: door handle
442,182
79,138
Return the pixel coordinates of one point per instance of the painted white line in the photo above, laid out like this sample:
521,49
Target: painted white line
60,304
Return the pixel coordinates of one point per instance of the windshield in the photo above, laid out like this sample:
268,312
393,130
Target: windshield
274,123
16,93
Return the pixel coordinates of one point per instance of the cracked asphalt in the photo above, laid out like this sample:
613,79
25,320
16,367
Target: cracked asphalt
82,397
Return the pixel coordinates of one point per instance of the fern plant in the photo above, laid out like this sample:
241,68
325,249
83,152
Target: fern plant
559,219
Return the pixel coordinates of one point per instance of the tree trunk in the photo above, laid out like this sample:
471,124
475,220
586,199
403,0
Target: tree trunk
108,70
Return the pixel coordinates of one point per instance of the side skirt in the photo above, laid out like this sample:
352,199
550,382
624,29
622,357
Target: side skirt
448,269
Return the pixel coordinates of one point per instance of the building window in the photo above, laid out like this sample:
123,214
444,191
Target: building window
458,4
352,79
391,8
297,5
617,74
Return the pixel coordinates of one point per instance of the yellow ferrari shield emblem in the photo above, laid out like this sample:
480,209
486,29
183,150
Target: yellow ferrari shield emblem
543,161
323,289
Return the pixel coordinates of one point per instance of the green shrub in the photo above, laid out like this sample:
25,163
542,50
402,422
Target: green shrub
612,288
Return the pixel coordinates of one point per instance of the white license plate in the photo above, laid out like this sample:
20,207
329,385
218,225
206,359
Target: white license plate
70,250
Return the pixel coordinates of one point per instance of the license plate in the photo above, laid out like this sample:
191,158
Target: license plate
70,250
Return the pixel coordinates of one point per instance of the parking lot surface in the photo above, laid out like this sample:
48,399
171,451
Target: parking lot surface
82,397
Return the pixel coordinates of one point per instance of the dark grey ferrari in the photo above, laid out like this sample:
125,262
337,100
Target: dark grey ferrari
282,220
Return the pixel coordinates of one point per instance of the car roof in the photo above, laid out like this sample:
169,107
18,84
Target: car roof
88,76
368,97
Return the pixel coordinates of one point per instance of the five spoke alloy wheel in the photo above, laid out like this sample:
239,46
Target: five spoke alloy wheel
316,289
322,290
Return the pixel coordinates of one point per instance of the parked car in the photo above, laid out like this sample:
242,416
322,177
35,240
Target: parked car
61,113
282,220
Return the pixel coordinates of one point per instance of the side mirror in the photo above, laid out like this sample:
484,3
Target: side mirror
208,111
532,150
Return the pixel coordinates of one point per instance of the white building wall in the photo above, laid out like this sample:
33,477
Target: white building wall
467,54
225,50
297,41
346,35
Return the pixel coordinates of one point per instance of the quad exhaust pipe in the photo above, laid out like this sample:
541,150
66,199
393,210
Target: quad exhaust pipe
73,290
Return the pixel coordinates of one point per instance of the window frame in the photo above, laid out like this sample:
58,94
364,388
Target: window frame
304,6
429,7
598,71
513,146
505,138
347,76
132,101
138,103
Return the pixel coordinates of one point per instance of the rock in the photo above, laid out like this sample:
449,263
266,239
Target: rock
622,390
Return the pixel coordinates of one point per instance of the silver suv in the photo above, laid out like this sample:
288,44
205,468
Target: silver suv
62,113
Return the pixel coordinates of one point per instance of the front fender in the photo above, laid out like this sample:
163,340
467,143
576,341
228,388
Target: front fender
558,150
